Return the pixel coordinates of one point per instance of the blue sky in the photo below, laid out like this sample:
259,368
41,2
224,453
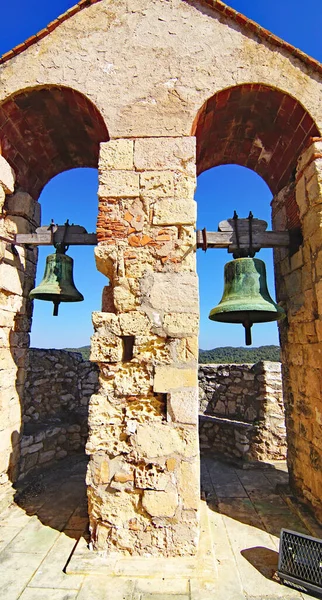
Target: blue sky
73,194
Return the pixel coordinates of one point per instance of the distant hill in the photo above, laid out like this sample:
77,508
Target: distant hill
229,354
84,351
226,354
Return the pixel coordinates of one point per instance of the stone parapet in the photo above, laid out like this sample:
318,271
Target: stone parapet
58,388
241,411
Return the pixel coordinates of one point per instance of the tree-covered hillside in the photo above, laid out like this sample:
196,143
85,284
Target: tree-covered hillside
229,354
226,354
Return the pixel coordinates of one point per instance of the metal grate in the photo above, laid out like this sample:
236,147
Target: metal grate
300,560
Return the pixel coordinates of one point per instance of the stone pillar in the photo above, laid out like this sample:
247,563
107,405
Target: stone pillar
143,474
19,213
299,285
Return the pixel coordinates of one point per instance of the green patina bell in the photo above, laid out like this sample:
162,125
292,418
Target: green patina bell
246,299
58,283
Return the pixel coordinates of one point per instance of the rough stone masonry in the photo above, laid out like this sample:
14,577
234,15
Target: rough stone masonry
153,92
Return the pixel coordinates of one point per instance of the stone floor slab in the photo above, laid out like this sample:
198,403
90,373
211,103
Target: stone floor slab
34,538
242,530
48,594
16,571
51,568
160,585
7,534
106,588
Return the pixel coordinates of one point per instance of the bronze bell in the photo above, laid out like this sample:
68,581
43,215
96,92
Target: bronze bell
246,299
58,283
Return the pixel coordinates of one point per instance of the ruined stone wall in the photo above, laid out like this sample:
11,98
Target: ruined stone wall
57,391
241,411
58,385
299,288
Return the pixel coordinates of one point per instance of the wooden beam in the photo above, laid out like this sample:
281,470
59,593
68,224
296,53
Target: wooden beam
71,239
227,239
74,235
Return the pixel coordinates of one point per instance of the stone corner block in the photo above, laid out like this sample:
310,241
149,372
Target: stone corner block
182,406
116,154
7,176
118,184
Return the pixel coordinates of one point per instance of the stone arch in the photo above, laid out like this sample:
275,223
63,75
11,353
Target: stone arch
49,129
271,132
255,126
43,131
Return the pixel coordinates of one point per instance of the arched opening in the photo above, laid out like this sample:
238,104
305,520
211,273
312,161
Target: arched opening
45,131
71,195
220,191
266,130
48,130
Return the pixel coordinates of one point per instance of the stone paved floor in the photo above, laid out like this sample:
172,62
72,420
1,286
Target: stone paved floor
39,532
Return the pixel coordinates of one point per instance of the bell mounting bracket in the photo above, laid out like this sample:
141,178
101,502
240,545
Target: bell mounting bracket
59,236
245,237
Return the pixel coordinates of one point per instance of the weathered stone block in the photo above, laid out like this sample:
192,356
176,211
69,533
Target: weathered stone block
123,297
11,279
189,484
159,503
168,378
151,477
134,323
160,154
170,292
100,469
182,406
17,224
7,176
132,379
105,323
2,199
106,348
116,155
174,212
156,184
106,260
119,184
159,440
23,205
181,324
184,185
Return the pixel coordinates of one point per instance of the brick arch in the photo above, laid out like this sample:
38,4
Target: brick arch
255,126
47,130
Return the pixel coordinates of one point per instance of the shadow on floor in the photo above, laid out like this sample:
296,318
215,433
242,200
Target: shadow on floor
263,559
57,496
251,496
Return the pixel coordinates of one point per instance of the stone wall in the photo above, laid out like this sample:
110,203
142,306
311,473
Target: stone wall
299,287
242,412
18,212
58,387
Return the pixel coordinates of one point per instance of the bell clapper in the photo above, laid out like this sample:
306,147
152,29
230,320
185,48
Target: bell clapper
248,332
56,307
